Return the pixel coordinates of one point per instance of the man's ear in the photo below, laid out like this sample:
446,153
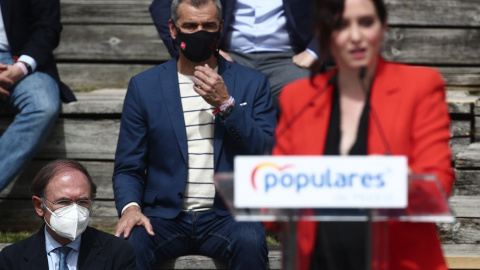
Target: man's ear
173,30
221,26
38,204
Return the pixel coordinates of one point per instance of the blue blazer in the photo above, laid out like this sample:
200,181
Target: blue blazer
98,251
299,14
151,159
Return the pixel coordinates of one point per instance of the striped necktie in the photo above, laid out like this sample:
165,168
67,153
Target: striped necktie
63,257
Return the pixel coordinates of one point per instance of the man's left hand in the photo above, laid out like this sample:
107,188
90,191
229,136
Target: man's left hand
210,86
304,59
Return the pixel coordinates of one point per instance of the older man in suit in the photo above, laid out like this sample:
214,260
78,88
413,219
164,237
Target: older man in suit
63,193
274,36
29,81
182,122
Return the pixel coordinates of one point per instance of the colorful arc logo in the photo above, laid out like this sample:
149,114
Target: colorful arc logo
266,165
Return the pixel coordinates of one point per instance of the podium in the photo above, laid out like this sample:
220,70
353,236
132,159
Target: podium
425,202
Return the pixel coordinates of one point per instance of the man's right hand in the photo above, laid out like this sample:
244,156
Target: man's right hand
5,82
131,217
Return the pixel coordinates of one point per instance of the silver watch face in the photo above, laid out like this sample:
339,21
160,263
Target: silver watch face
226,112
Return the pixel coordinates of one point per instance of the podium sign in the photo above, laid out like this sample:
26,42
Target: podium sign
321,182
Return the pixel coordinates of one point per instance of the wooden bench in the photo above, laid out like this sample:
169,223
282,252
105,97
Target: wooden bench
105,42
95,119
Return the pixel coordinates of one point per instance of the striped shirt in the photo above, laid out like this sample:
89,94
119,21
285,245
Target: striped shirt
199,125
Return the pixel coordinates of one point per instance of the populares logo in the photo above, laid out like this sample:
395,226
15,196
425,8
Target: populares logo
268,176
264,166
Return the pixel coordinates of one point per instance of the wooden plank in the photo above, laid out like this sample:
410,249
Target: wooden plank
19,215
81,76
468,158
111,43
203,262
466,206
141,43
477,128
460,107
401,12
102,102
459,145
105,12
461,128
434,12
82,139
467,182
110,101
192,262
91,139
88,76
462,256
461,103
432,46
476,108
461,76
462,231
100,171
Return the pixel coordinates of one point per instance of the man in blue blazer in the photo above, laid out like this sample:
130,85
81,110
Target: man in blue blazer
63,192
274,37
182,122
29,80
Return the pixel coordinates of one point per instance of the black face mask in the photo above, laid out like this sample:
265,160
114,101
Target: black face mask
198,46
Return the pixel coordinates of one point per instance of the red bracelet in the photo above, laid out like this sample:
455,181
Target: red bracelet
224,106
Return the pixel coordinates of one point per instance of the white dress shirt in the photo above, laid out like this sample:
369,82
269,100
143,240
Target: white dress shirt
53,255
258,26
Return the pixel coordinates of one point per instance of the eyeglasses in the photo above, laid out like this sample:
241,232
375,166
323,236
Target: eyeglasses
62,203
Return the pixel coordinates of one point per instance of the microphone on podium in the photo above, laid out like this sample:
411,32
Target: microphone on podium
361,76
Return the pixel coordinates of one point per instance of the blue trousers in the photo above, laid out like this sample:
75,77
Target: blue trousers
36,101
241,244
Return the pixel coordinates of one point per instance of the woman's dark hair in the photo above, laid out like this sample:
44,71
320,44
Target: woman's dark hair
47,173
328,15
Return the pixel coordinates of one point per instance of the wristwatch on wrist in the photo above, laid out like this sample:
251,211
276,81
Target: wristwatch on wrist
224,114
29,68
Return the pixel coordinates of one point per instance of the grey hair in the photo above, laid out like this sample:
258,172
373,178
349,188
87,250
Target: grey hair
196,3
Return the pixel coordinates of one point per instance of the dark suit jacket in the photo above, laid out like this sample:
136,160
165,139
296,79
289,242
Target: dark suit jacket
151,160
98,251
33,28
299,14
410,106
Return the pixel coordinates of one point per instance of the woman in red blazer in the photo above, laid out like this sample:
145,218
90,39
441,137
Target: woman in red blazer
403,113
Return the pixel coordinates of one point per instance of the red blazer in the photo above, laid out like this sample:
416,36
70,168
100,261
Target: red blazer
410,105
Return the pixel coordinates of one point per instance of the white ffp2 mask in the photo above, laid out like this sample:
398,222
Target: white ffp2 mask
69,221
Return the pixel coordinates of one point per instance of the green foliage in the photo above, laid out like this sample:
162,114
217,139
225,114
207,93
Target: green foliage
272,238
12,237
